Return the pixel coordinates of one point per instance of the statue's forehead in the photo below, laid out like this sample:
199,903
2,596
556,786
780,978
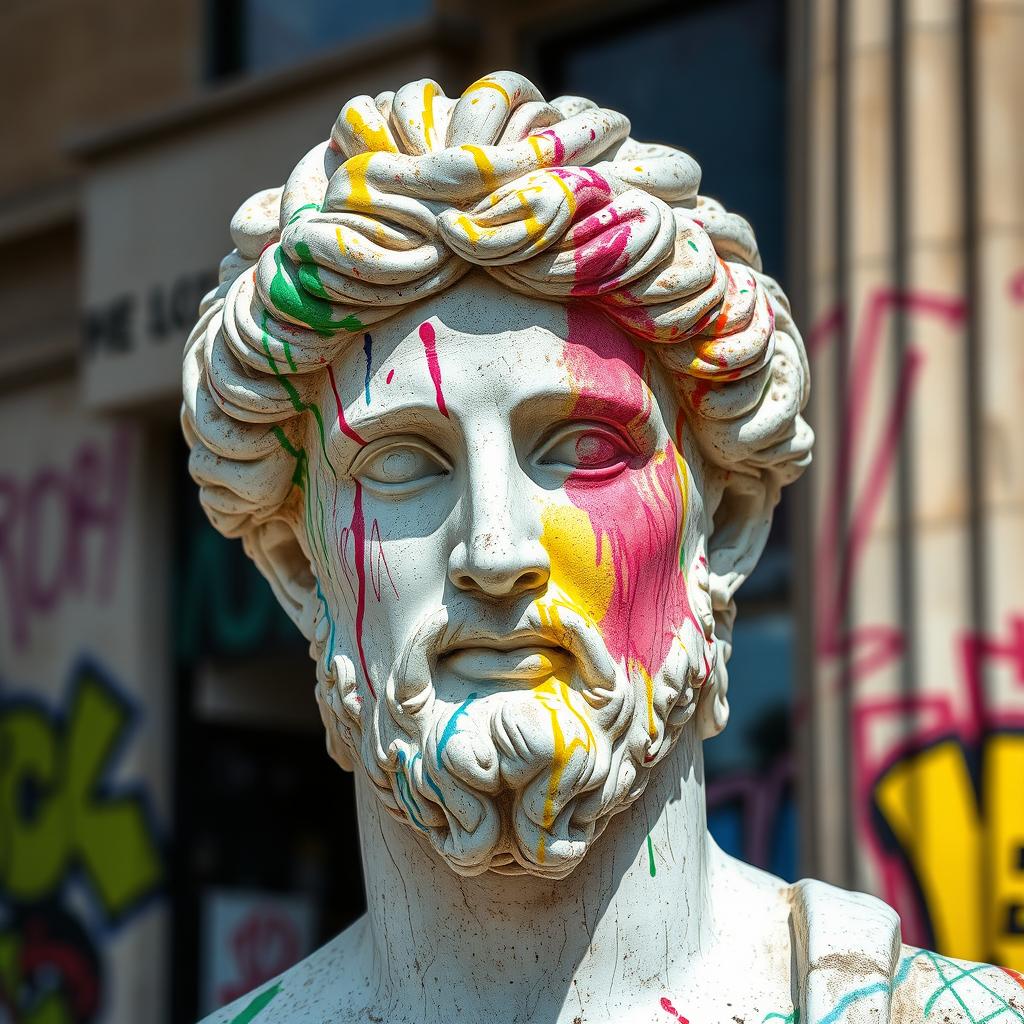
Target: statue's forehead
478,339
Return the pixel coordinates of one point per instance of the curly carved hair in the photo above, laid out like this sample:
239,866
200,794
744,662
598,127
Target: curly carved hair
552,199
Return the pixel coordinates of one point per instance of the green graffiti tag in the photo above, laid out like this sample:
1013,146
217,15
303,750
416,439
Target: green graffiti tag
60,811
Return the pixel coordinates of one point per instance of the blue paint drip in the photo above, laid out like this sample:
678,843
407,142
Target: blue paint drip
330,640
405,792
837,1011
368,349
451,725
835,1015
433,785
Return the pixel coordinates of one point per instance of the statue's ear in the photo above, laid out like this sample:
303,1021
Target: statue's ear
279,553
741,506
741,522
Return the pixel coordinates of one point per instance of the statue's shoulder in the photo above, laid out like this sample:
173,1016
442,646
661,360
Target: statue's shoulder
853,967
323,986
927,987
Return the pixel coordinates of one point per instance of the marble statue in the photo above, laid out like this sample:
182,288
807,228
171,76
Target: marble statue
501,407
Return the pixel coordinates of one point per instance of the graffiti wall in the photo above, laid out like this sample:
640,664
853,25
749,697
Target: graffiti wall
923,705
84,724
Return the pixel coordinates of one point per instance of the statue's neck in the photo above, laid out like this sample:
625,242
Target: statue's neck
632,922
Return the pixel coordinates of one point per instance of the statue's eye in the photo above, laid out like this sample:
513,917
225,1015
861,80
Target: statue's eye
590,449
399,466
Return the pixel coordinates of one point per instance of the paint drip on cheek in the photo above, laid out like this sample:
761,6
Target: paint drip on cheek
636,520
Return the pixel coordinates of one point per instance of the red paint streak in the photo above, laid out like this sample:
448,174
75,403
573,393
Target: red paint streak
390,376
640,511
342,422
1016,975
678,432
376,576
359,537
72,969
701,388
429,340
666,1005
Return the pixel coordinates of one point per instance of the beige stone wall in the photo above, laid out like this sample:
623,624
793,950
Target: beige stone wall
916,696
70,65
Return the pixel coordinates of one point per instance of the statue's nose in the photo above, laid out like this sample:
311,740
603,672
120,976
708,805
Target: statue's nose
499,554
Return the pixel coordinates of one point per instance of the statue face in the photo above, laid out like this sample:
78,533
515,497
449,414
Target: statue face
506,526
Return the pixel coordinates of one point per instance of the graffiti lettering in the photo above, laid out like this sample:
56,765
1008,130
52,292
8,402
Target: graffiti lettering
58,809
225,606
60,531
169,312
939,806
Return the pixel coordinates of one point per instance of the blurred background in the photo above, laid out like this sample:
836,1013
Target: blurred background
171,830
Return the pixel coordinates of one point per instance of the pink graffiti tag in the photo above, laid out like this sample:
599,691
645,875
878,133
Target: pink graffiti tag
927,717
60,531
837,558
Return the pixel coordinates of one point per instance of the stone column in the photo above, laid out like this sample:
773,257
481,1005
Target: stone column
913,292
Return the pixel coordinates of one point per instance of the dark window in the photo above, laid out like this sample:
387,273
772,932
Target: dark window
250,36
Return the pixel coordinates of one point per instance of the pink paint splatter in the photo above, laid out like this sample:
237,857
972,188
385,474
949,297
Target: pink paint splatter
641,511
358,528
666,1005
557,143
342,422
391,375
1017,286
430,347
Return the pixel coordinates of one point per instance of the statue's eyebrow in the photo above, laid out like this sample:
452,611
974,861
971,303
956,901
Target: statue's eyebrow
626,410
411,416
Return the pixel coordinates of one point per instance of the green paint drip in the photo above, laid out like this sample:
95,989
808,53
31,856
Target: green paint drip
650,856
309,272
289,296
692,244
305,206
286,444
297,403
257,1005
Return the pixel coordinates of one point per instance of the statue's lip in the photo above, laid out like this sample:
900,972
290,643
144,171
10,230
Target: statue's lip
516,640
522,654
532,662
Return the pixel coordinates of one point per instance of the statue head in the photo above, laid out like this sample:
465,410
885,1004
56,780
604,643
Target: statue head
501,407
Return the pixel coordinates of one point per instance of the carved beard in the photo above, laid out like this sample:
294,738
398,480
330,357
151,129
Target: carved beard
515,780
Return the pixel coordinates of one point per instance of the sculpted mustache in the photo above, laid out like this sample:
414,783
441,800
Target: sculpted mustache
440,632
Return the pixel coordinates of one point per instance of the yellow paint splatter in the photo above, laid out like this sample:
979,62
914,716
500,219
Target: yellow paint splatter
486,83
554,696
359,191
542,158
652,729
469,227
570,196
581,578
374,139
483,165
531,224
429,92
341,241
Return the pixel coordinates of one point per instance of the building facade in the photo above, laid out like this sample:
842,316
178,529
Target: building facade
156,716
